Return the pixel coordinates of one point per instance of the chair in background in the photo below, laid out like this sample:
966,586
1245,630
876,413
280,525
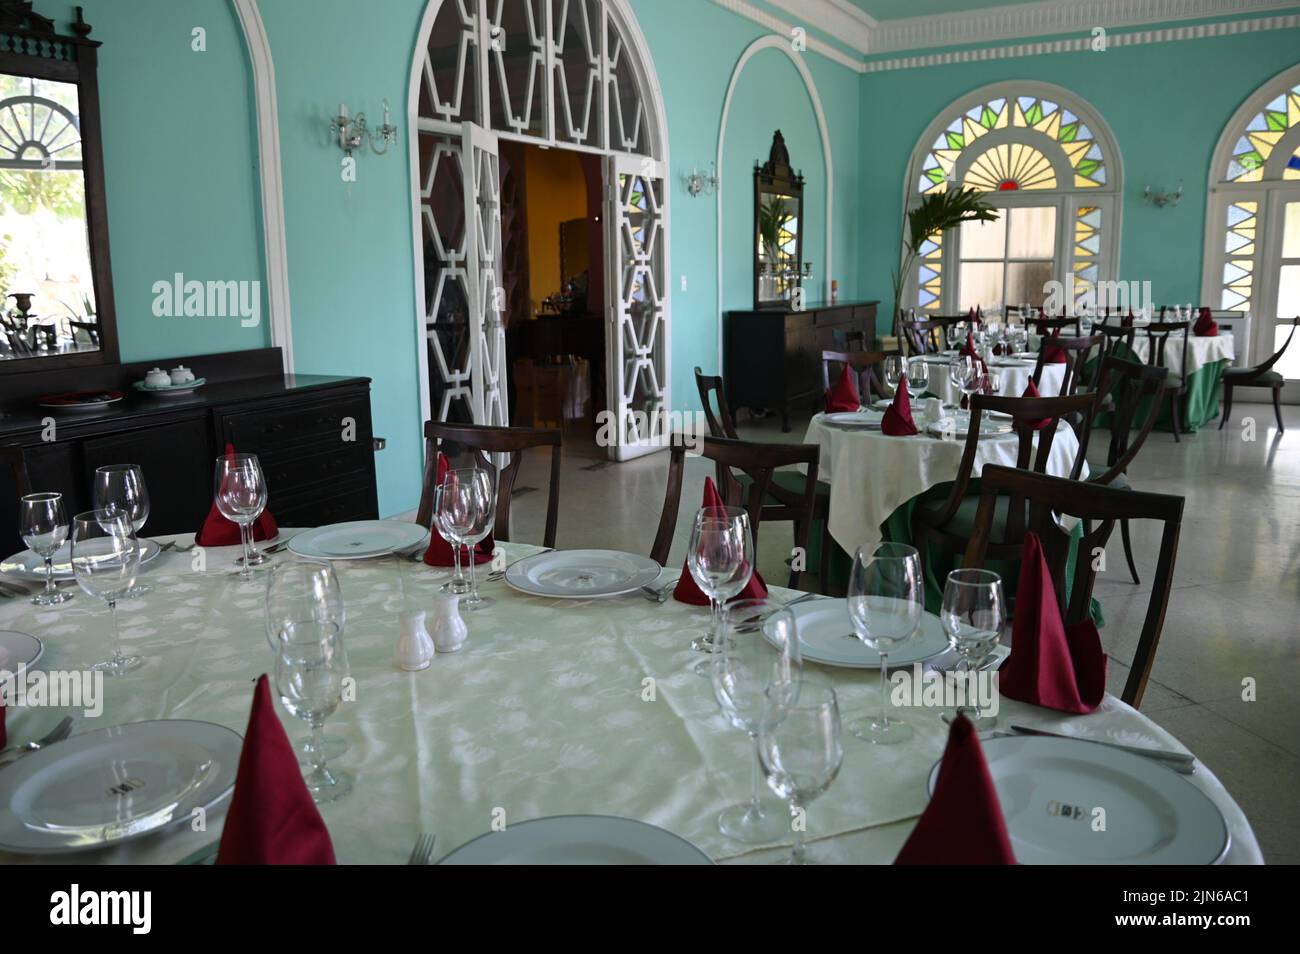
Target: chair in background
1077,352
1099,507
1044,325
869,366
927,335
483,440
1113,338
721,423
758,462
1260,376
1158,335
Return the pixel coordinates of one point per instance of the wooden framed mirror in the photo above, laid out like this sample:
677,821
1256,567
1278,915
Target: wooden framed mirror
55,271
778,228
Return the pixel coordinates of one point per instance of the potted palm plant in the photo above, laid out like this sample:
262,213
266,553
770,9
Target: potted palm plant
937,212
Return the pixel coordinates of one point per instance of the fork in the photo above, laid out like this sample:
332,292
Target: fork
423,849
57,734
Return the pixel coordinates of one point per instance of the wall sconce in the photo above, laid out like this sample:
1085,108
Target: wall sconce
697,182
1160,198
352,132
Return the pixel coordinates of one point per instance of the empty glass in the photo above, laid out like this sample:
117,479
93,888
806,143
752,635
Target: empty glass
465,512
240,496
918,377
886,600
801,749
105,560
44,528
310,669
893,371
973,614
721,561
756,663
121,487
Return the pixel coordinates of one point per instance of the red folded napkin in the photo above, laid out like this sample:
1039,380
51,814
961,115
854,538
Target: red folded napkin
1127,321
1051,664
844,395
979,315
218,531
970,316
1034,423
1206,326
897,421
687,591
272,818
1054,355
963,824
440,552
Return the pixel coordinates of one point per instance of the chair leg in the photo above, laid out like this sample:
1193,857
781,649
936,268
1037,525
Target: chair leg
1174,414
1128,552
1227,405
1277,408
824,567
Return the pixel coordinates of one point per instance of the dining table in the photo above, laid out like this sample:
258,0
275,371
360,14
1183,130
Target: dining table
553,706
1014,374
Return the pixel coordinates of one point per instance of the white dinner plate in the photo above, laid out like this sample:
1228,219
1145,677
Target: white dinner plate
578,840
582,574
869,420
1050,789
958,428
28,565
115,784
826,636
357,540
18,649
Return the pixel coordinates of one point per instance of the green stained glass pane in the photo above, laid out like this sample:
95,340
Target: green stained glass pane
1068,132
934,175
1035,114
1250,160
1087,167
956,141
989,119
1276,121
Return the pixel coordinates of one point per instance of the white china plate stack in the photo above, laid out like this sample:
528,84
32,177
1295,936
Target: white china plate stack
826,636
358,540
18,649
28,565
1050,788
582,574
115,784
578,840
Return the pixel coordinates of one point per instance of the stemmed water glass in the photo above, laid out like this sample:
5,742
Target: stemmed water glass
44,527
801,749
893,371
240,496
121,487
105,561
956,333
973,614
465,512
886,600
310,669
964,372
721,561
918,377
756,663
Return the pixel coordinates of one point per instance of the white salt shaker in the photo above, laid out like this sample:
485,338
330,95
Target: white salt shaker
414,647
447,627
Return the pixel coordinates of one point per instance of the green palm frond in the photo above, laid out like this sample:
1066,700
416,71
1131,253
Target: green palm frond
940,211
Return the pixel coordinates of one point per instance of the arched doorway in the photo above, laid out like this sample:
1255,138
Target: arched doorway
560,74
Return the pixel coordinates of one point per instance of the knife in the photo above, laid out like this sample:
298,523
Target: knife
1176,760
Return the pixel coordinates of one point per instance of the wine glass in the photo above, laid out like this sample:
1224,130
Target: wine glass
956,333
466,511
44,527
918,377
241,497
801,749
893,371
721,560
756,662
310,669
886,600
973,614
105,561
121,487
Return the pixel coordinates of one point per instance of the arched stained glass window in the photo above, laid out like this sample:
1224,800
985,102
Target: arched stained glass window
1045,158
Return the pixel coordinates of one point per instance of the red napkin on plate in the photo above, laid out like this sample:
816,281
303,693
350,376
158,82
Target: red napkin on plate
1051,664
963,824
968,351
439,552
687,591
272,818
897,421
970,316
1054,354
217,531
844,395
1206,326
1036,423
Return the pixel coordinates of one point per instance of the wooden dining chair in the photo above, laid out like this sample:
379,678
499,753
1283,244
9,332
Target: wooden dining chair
949,524
1077,351
721,423
759,463
483,440
1113,338
868,365
926,335
1044,326
1158,335
1099,508
1260,376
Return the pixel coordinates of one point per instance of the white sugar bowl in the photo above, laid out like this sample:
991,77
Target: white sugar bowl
157,378
181,375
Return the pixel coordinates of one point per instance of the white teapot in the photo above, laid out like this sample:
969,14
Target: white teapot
157,378
181,375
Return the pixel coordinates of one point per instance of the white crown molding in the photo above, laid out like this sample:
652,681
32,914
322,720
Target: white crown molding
785,29
835,18
1084,44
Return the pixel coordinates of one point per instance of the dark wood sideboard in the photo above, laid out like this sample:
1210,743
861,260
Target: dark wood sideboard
773,356
298,426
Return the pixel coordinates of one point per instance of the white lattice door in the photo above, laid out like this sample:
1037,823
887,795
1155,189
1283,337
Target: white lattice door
636,305
486,299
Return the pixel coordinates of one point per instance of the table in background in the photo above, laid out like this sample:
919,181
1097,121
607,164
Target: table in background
1016,374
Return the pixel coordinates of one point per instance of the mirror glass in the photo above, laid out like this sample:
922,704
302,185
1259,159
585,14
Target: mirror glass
45,268
778,244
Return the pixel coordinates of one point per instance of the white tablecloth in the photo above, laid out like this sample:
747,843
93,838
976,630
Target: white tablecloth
544,711
1200,351
1015,378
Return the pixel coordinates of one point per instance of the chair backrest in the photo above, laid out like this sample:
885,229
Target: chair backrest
1099,508
1030,454
926,335
1112,337
1277,355
721,424
1129,384
869,366
1043,325
483,440
1158,334
756,460
1077,351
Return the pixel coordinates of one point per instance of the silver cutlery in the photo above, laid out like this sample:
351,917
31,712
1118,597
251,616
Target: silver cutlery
423,849
800,599
57,734
658,594
280,546
1179,762
497,575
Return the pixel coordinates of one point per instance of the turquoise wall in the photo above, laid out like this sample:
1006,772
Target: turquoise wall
1165,103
